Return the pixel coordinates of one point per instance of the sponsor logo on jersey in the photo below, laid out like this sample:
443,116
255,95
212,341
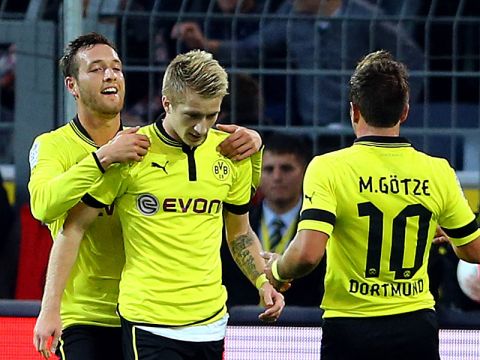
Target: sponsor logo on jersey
158,166
147,204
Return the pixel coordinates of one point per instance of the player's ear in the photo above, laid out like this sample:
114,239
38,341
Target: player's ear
405,112
167,105
354,113
70,84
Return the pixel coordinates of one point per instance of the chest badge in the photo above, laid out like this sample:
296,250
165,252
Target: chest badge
221,170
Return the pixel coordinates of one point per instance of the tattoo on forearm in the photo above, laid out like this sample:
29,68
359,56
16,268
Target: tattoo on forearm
243,257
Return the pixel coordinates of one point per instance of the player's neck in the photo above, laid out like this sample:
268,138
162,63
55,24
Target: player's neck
169,129
363,129
100,129
281,207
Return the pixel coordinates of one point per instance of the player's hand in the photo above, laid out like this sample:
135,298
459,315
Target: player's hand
48,325
241,143
440,237
273,302
281,286
126,146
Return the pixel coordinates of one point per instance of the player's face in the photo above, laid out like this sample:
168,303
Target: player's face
282,177
100,87
190,120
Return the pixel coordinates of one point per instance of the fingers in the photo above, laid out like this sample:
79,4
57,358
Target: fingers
229,128
272,313
237,147
266,255
131,130
40,343
440,240
56,338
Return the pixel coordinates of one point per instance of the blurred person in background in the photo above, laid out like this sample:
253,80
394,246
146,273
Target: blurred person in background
275,218
218,23
313,36
7,83
7,215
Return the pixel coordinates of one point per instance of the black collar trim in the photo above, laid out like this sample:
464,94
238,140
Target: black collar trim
162,134
383,141
83,133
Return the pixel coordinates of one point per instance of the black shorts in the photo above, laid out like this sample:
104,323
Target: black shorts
81,342
412,336
143,345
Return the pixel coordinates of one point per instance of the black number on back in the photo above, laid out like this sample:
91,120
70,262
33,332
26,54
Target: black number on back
375,238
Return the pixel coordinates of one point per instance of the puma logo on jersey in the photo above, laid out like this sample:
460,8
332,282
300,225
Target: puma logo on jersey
309,198
164,167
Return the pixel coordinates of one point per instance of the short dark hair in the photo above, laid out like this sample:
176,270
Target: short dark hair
68,62
285,143
379,87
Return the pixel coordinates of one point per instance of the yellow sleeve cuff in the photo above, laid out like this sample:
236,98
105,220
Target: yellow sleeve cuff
262,279
275,274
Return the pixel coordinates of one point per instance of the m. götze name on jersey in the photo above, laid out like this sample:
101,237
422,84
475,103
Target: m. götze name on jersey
392,184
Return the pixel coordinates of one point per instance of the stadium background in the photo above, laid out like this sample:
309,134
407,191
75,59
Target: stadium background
444,119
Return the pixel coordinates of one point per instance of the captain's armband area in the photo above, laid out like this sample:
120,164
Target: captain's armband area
237,209
89,200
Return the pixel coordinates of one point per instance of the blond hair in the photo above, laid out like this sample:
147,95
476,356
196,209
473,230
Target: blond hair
195,70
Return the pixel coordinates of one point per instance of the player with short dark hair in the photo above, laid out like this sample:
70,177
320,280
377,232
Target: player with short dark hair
375,207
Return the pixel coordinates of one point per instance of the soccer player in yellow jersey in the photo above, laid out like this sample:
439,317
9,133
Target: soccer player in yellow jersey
171,205
375,207
65,164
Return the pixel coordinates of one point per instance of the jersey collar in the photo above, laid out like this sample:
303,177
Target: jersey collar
83,133
163,135
383,141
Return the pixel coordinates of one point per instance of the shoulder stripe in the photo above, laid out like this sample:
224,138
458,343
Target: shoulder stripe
462,232
318,215
92,202
237,209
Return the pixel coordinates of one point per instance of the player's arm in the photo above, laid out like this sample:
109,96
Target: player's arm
469,252
245,249
62,258
302,256
53,190
241,143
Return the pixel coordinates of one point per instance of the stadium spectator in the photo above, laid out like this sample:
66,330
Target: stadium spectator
65,163
171,300
244,103
275,219
317,38
195,31
378,235
7,83
7,217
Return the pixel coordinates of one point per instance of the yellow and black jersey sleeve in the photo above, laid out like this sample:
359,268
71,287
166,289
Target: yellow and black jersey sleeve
60,175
